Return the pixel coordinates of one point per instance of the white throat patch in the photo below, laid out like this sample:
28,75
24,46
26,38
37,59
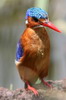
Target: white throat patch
38,26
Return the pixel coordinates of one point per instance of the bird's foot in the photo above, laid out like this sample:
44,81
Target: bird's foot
32,89
46,83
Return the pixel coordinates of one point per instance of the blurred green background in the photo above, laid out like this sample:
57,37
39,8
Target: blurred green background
12,24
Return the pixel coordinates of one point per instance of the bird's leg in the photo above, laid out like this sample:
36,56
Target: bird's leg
46,83
31,88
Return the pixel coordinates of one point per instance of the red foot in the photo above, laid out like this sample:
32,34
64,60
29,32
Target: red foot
46,83
32,89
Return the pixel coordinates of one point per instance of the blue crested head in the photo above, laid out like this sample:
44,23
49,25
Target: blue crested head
37,13
37,16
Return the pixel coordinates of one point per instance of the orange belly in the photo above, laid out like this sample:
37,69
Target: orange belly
35,61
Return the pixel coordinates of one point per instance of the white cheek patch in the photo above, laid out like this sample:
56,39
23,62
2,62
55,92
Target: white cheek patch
26,22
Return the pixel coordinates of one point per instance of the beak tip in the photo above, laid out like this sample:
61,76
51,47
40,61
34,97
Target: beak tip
60,31
52,26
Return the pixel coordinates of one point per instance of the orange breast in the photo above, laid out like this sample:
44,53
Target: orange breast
36,46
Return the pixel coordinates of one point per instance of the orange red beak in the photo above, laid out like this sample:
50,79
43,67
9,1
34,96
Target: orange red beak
50,25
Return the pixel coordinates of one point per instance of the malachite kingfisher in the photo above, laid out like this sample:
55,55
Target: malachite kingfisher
33,48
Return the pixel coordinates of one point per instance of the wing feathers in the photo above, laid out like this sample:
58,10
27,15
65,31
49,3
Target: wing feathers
19,51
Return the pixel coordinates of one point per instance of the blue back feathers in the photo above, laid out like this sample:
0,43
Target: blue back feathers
36,12
19,51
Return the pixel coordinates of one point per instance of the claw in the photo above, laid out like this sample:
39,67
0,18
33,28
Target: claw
46,83
32,89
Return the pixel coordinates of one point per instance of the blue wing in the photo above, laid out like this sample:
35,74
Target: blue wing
19,51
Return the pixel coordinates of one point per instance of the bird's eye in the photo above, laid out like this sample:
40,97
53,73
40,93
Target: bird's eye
35,19
46,17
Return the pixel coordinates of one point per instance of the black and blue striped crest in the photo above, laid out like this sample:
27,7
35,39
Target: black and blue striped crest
36,12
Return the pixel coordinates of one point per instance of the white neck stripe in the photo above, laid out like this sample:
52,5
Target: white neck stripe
26,22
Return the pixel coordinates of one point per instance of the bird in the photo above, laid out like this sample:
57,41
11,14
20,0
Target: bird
33,48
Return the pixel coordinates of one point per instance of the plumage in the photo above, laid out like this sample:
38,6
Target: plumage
36,12
33,48
19,51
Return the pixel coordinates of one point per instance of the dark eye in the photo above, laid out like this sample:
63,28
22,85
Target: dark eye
46,17
35,19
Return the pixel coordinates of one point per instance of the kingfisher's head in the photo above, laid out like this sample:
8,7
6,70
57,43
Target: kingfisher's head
37,16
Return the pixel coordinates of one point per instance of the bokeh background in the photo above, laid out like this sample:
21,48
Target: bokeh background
12,24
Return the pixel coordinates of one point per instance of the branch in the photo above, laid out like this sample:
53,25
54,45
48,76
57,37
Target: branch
58,92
